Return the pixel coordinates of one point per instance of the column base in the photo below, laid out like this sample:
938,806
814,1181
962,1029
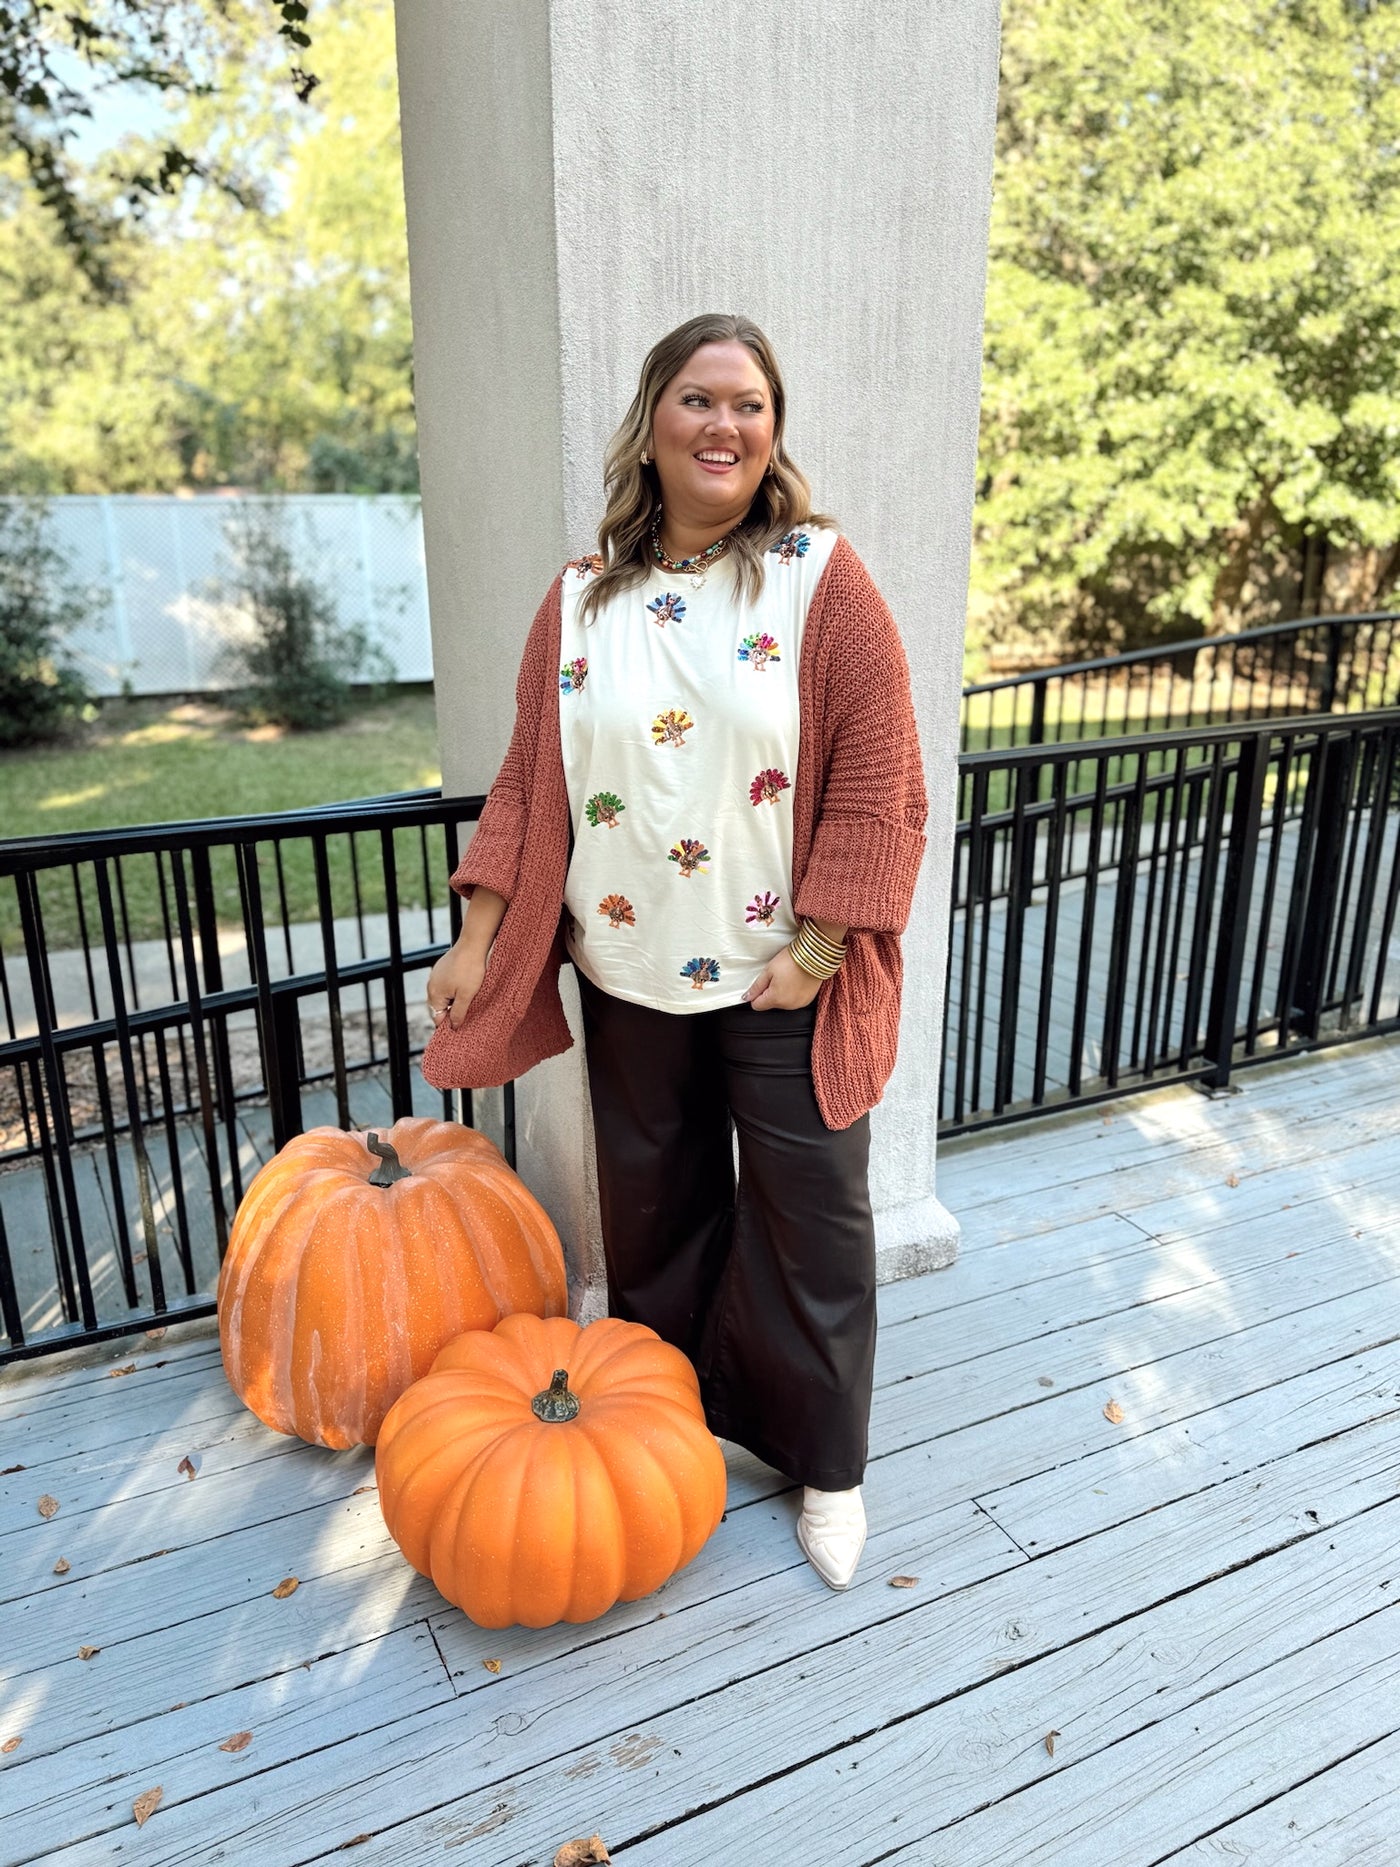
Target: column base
910,1240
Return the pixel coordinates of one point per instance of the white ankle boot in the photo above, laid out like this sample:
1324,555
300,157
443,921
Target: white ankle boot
831,1531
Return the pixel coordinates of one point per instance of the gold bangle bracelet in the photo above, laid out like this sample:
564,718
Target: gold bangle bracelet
811,958
807,966
818,940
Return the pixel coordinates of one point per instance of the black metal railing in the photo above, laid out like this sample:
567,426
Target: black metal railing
1322,664
178,1001
1167,908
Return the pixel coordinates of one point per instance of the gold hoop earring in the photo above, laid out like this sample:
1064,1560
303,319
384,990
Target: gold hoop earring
646,460
770,467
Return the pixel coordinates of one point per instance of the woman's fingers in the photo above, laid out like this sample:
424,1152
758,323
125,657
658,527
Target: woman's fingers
760,986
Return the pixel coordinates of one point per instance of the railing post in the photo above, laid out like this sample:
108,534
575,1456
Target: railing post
1037,737
1327,697
1241,860
1320,897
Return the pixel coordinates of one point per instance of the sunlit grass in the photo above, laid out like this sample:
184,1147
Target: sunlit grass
155,762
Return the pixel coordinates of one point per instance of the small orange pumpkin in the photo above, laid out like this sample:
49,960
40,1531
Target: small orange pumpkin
352,1260
544,1471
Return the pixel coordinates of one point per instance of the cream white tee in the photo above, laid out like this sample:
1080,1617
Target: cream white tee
678,720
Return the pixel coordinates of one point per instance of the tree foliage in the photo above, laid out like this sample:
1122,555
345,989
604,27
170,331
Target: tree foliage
53,60
300,660
40,690
269,350
1191,405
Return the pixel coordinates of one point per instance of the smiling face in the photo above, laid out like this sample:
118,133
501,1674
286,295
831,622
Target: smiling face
711,437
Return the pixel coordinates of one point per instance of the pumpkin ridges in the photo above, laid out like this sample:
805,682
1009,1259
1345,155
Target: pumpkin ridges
257,1315
483,1211
426,1470
683,1452
327,1312
654,1545
416,1269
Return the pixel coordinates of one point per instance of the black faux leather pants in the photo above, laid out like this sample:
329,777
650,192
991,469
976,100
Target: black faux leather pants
771,1292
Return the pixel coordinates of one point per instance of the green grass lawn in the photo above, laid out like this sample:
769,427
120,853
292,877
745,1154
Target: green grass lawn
156,762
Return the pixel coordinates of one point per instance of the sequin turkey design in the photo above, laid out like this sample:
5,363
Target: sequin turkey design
791,545
760,911
759,650
617,911
670,728
573,674
604,807
691,855
667,608
700,972
769,786
585,566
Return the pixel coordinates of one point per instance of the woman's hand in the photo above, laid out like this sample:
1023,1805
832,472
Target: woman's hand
454,982
782,985
456,978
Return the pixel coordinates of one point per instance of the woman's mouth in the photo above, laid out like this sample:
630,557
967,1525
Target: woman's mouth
717,459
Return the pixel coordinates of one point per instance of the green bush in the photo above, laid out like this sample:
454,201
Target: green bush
301,662
40,692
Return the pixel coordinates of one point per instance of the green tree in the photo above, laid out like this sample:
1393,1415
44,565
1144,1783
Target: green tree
40,690
54,59
1192,366
266,349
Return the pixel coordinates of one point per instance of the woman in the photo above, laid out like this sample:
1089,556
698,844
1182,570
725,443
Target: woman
712,805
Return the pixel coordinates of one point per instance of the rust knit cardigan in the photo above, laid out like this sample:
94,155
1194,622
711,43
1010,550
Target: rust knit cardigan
859,810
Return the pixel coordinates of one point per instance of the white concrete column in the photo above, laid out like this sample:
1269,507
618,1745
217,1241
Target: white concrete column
581,175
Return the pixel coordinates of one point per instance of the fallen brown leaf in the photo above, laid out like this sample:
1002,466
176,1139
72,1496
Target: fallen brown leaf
1050,1737
359,1489
1113,1412
154,1335
146,1805
239,1741
10,1743
47,1505
130,1368
13,1468
492,1666
189,1465
581,1853
1290,1254
62,1566
287,1586
1232,1179
904,1581
87,1653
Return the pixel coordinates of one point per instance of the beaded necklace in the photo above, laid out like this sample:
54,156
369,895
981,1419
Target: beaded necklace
685,567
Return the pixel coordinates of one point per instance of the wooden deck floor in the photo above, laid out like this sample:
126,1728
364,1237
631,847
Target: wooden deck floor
1198,1600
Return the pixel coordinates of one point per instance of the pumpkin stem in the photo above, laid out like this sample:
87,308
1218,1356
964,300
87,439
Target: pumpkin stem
390,1167
556,1402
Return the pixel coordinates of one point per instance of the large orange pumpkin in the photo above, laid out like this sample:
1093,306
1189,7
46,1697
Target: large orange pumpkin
543,1471
353,1259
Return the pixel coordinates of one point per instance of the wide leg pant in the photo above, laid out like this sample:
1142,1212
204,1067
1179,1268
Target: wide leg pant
769,1289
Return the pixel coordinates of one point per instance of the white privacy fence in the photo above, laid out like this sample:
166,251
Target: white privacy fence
159,571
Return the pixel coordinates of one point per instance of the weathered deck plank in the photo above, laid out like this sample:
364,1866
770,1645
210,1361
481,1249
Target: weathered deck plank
1180,1593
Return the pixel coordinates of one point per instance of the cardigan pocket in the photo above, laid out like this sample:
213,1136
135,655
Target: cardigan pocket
873,969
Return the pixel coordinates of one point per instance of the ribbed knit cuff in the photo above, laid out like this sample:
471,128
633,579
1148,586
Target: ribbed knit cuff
861,872
492,857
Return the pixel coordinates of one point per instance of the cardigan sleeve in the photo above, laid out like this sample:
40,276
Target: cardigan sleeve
868,841
492,857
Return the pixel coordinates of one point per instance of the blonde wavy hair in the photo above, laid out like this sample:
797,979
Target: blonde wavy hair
783,499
